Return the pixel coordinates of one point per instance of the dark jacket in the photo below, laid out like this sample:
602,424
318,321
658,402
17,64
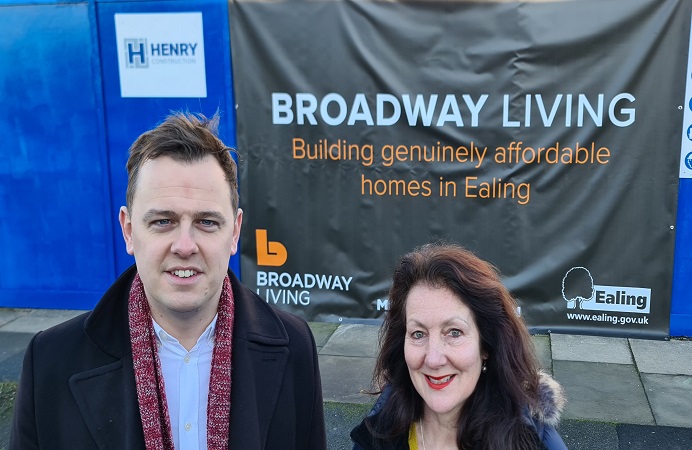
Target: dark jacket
77,387
544,420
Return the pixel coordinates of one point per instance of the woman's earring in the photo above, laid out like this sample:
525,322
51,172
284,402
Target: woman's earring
485,366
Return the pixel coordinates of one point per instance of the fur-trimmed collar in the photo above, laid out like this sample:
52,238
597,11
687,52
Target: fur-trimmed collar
550,402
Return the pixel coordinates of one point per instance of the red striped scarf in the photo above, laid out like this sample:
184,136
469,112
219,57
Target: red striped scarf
151,393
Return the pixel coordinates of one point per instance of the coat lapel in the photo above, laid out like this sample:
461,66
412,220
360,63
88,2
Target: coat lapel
106,394
106,398
260,354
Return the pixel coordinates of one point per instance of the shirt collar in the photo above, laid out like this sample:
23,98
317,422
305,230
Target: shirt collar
208,334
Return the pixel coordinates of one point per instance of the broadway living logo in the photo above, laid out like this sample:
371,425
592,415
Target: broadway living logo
285,288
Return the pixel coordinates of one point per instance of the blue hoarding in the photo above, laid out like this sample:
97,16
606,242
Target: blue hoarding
69,116
66,128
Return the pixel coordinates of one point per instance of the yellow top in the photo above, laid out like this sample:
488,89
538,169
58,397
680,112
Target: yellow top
412,439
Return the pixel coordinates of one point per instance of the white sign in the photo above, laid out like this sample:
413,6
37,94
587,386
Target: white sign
161,55
580,293
686,147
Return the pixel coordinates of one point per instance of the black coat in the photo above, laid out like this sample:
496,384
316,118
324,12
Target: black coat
77,387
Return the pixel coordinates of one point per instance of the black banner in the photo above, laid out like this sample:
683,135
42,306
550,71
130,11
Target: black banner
542,136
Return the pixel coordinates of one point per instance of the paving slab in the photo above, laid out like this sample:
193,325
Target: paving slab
587,435
568,347
603,392
322,332
353,340
670,397
9,315
344,378
11,368
39,320
672,357
339,420
13,343
541,343
638,437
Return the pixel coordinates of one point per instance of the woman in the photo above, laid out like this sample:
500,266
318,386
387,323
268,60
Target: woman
456,363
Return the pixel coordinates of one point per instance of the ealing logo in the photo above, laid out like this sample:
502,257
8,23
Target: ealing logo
580,292
138,53
286,288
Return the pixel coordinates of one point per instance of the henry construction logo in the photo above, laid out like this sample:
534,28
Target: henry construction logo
286,288
139,53
580,293
161,55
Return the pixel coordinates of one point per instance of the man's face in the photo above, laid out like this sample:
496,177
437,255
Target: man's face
182,232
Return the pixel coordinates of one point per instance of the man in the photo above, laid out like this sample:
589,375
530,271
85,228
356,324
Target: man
178,353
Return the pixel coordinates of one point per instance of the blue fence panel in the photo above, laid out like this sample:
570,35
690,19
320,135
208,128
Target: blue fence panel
681,307
55,232
66,130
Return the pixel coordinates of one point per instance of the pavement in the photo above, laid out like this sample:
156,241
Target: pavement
622,393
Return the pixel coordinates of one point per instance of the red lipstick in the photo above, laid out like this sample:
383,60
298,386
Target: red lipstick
434,382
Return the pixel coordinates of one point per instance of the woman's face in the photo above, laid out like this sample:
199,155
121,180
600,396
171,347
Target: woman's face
442,349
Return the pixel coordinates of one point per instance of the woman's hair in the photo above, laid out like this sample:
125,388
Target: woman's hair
491,418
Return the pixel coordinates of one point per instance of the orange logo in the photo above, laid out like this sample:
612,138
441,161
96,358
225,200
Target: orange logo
269,253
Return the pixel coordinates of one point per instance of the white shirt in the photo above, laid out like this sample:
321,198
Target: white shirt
186,377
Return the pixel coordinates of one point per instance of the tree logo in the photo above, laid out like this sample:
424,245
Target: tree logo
577,287
580,292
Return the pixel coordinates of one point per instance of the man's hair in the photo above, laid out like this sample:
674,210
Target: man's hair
491,417
187,138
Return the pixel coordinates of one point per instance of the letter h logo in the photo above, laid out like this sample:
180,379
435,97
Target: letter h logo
136,54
